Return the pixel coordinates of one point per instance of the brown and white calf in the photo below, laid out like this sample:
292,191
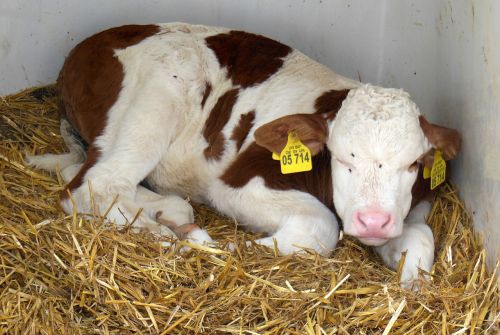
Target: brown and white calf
196,111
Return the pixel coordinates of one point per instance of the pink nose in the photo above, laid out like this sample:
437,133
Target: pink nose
373,224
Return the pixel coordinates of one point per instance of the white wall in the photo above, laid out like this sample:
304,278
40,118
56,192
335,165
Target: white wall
445,53
469,87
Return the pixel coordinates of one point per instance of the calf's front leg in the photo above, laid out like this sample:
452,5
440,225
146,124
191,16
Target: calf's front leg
418,242
294,220
318,231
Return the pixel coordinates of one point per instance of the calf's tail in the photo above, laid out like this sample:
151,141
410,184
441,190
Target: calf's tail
51,162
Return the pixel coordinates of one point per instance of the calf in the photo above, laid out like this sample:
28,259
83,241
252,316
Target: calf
196,111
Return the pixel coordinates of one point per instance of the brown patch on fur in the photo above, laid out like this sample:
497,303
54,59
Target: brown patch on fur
250,59
311,129
257,161
91,78
421,189
90,81
329,103
240,132
216,147
219,116
206,93
445,139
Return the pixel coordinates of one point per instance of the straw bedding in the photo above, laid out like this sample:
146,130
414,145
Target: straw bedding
78,275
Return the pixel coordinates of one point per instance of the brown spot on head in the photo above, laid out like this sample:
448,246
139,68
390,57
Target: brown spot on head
445,139
329,103
311,129
206,93
91,78
249,59
240,132
219,116
256,161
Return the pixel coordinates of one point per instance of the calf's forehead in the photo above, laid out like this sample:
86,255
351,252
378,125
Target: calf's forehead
379,124
389,142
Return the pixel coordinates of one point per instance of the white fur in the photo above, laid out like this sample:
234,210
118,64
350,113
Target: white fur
154,132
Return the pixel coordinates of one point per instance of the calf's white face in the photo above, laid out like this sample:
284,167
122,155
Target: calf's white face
375,141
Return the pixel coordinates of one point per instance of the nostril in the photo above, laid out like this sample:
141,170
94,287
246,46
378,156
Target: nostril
359,216
387,222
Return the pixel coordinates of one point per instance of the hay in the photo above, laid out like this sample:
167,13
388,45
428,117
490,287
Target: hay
76,275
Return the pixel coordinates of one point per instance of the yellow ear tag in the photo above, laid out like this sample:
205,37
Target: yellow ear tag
295,157
276,156
438,171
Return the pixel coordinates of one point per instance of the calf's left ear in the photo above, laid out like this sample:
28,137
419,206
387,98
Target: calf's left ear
311,129
445,139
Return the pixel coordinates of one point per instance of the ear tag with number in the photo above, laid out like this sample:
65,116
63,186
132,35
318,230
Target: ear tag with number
438,171
295,157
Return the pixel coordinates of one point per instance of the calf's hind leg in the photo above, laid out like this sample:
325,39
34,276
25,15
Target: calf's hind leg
125,153
146,221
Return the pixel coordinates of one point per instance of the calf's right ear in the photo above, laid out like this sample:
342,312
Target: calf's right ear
311,129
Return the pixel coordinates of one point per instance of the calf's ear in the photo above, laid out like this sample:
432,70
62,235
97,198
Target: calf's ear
311,129
445,139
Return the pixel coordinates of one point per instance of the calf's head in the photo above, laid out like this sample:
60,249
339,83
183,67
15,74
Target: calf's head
377,141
